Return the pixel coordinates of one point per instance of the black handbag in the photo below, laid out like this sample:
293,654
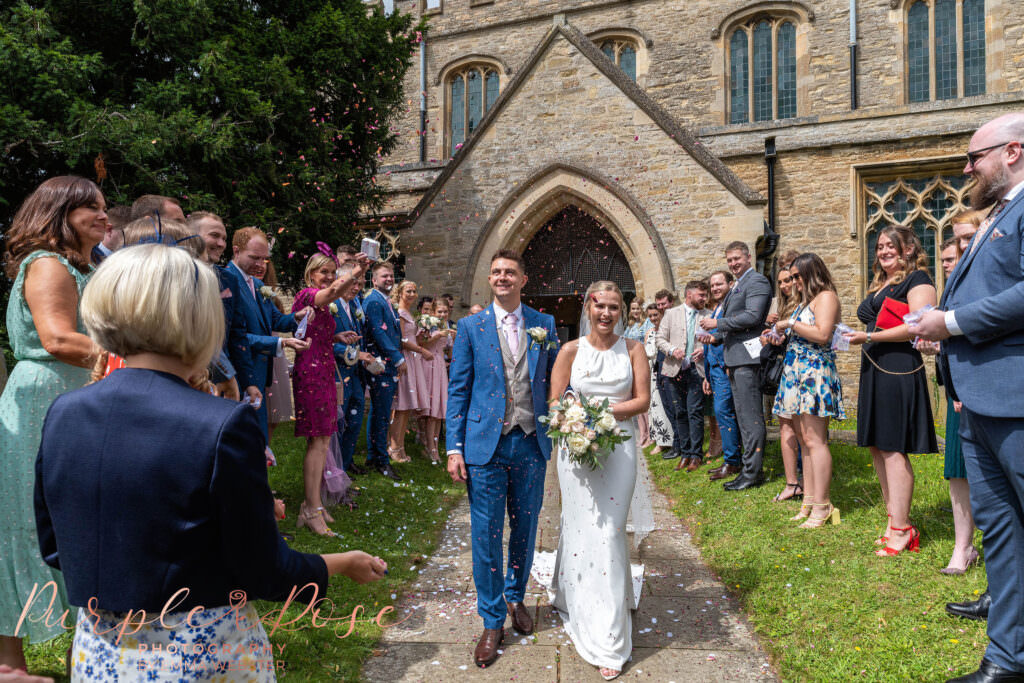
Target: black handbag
772,364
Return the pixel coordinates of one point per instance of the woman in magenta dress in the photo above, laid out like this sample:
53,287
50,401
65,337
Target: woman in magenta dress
434,338
412,386
313,384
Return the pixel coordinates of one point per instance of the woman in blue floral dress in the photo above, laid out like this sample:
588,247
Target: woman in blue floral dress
809,392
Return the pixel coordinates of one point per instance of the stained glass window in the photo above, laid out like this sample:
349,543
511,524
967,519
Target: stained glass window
918,73
473,91
957,52
458,112
974,47
492,89
627,61
925,203
762,68
786,79
739,103
945,49
623,53
762,71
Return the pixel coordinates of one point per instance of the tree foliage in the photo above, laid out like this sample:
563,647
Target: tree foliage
271,113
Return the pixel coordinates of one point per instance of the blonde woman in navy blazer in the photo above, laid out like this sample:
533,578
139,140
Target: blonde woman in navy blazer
153,496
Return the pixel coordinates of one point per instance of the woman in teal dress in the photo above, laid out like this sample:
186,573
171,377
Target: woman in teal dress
48,248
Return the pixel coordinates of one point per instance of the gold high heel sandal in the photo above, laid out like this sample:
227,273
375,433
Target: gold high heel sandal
818,522
314,521
805,510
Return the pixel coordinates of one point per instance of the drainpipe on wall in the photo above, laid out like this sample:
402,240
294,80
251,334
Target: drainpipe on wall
769,241
853,54
423,98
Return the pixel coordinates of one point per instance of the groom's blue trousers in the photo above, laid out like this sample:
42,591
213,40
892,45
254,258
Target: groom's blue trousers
513,479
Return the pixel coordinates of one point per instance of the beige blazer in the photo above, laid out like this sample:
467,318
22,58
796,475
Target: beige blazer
672,335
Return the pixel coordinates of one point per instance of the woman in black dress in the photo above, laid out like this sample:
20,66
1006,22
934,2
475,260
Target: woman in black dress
894,416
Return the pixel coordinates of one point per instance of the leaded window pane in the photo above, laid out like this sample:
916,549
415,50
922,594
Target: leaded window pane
786,78
917,53
974,47
492,88
763,71
458,112
608,48
926,234
627,61
475,98
739,101
945,49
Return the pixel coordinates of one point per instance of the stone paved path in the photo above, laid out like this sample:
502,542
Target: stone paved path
687,628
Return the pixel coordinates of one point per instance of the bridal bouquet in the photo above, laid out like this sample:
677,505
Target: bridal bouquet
586,427
429,323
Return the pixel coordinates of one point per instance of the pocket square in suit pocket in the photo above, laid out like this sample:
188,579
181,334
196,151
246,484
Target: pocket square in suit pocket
995,235
225,293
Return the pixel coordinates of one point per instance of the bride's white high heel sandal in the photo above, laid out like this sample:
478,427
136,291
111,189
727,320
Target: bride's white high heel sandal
608,674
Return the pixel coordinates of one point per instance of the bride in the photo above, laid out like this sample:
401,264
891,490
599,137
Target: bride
592,585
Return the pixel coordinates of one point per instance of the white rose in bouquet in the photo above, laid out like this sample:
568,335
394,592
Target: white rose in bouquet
606,423
577,428
575,413
555,419
577,443
591,434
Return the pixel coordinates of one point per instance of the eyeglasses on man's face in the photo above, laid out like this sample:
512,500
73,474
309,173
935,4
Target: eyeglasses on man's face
977,155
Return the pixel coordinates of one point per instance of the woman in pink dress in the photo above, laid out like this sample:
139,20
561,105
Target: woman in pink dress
412,386
316,398
434,338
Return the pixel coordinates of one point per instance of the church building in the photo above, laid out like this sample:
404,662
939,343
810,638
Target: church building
631,140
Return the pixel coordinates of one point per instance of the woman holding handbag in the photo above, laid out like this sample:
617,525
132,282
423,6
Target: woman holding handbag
894,415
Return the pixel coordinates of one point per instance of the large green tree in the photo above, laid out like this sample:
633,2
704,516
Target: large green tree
272,113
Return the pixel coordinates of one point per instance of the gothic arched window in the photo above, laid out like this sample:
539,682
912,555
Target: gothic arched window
472,91
945,49
622,51
762,70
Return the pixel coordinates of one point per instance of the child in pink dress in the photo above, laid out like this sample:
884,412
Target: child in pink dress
435,339
412,385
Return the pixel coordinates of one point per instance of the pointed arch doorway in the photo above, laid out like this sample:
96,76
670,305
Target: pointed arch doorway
570,251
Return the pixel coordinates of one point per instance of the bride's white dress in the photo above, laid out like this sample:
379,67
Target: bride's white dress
592,585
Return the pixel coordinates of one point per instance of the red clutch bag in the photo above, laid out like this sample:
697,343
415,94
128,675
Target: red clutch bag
891,314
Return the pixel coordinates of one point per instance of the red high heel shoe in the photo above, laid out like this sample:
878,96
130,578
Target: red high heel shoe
913,545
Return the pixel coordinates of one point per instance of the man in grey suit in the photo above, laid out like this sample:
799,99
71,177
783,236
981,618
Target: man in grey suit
744,311
981,325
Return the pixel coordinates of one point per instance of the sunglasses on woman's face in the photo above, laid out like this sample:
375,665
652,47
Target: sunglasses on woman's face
795,276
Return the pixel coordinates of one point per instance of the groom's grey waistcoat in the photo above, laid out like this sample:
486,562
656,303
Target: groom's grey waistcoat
518,397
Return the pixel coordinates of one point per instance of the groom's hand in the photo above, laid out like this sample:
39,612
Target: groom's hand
456,466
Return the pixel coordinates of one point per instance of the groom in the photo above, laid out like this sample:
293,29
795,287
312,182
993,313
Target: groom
498,387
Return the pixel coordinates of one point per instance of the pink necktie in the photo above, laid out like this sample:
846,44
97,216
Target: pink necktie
510,323
252,286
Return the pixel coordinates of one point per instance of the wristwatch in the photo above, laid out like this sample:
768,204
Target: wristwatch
869,338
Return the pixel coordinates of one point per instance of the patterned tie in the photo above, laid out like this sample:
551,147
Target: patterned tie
252,286
511,324
691,317
987,223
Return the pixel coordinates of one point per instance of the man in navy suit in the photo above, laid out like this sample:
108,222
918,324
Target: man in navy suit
383,340
981,325
349,353
251,251
497,393
238,367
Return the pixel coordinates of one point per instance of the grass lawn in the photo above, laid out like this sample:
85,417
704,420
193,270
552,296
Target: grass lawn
399,521
823,605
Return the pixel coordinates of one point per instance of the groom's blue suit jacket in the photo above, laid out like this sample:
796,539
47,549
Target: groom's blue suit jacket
476,384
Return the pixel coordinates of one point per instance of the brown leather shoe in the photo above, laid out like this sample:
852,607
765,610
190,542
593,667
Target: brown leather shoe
683,464
521,618
694,465
724,471
487,647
